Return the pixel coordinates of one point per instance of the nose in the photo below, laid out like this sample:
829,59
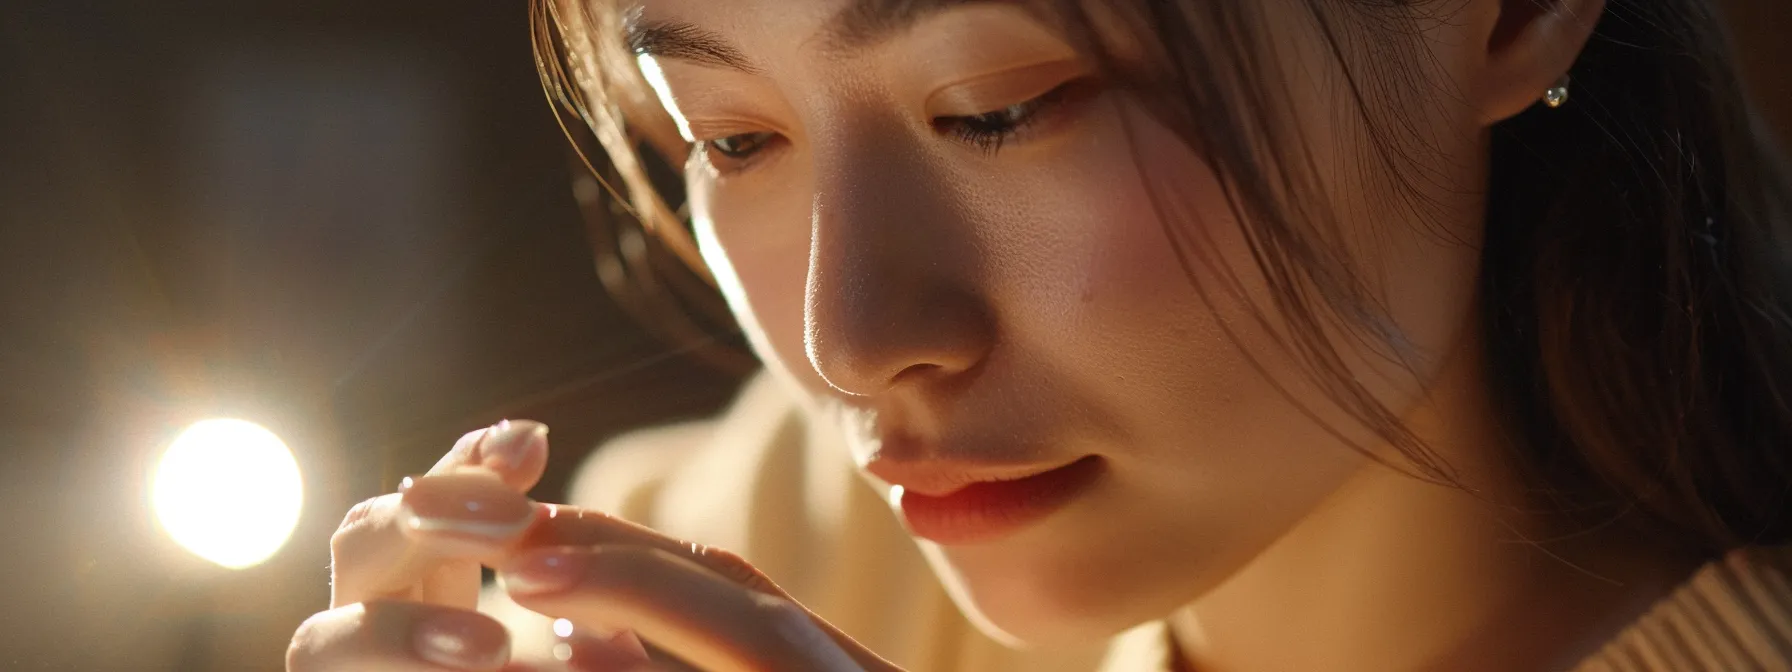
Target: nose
891,293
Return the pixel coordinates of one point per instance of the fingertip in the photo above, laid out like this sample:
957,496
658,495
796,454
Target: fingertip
516,450
461,640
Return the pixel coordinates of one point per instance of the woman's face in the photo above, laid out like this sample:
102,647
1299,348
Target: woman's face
933,220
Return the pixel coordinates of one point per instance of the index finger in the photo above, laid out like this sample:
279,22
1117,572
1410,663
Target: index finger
573,526
372,556
426,543
508,449
564,526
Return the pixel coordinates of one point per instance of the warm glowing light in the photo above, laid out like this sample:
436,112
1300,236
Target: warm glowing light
229,491
562,627
656,80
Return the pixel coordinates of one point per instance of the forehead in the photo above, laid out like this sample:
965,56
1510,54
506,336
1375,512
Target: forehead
831,26
733,14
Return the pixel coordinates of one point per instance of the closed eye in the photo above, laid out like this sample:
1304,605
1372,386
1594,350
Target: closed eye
988,131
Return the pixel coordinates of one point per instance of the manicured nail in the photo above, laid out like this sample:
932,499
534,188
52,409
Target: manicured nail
508,445
472,503
460,640
544,571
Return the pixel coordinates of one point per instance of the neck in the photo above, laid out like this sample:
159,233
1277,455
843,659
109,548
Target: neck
1392,573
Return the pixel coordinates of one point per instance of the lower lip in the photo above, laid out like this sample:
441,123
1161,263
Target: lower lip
983,512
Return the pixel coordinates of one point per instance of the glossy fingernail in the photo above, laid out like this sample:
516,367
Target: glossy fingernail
470,503
460,640
509,445
538,572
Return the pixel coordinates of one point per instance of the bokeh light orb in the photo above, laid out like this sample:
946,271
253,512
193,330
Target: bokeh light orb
229,491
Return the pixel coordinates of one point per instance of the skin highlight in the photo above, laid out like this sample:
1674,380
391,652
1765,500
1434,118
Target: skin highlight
1022,305
1294,326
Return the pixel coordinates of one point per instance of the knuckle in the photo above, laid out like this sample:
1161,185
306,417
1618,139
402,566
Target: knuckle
301,658
358,513
305,652
462,451
296,660
720,557
308,631
339,541
735,568
359,517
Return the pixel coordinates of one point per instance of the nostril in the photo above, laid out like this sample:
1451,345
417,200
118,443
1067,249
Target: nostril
917,372
858,366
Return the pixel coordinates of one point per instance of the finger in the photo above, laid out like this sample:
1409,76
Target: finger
617,653
515,450
572,526
585,651
370,558
707,620
398,637
426,543
628,643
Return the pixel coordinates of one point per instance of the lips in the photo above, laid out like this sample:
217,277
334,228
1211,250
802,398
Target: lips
966,506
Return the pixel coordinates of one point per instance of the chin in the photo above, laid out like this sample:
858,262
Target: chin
1037,604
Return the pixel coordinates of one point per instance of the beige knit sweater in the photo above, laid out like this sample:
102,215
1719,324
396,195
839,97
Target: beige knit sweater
759,482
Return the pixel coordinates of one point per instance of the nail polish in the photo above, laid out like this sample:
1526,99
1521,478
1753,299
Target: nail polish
508,445
462,641
467,503
546,571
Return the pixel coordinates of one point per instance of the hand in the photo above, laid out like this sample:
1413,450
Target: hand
405,567
406,581
708,608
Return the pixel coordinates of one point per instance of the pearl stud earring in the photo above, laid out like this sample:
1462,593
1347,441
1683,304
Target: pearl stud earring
1557,95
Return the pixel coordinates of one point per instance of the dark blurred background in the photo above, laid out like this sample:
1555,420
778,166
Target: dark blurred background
351,222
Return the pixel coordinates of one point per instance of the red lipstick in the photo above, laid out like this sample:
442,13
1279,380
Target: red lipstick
984,510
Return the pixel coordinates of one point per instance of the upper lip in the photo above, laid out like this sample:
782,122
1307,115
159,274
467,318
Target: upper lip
938,477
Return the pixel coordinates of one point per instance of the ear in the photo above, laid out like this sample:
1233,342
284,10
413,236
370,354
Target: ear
1526,46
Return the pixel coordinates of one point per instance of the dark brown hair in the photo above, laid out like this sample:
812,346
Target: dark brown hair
1636,272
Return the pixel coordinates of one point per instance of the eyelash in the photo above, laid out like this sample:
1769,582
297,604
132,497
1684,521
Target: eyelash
986,132
990,130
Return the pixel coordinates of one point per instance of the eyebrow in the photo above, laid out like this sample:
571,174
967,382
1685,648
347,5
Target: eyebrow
860,24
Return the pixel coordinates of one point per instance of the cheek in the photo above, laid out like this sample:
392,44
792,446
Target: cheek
1140,318
759,252
1099,308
